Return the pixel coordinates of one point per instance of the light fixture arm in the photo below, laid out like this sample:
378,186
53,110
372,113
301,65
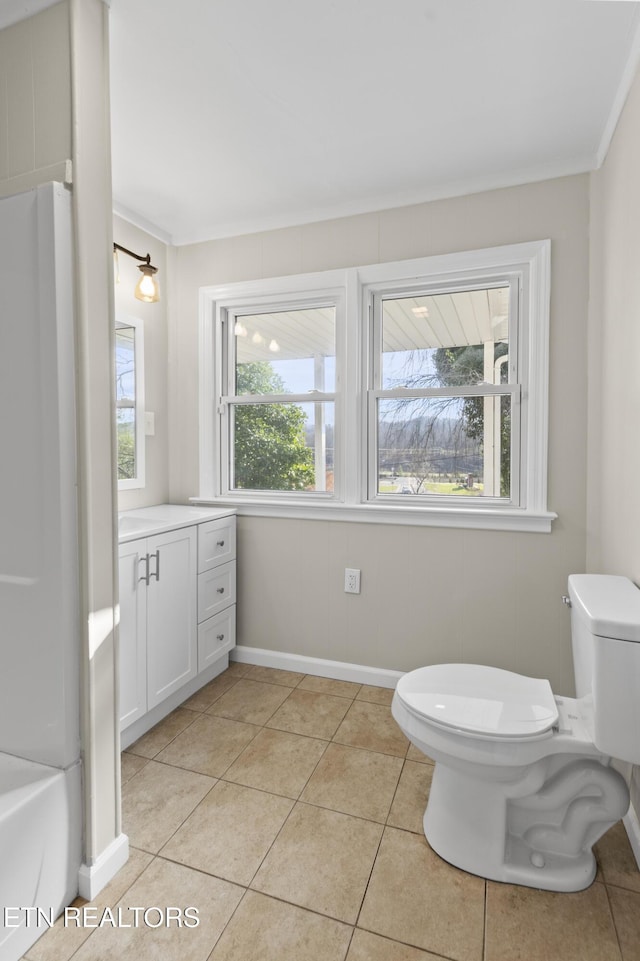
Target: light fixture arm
146,258
147,288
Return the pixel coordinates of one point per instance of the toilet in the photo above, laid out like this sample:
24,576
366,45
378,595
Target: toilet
523,786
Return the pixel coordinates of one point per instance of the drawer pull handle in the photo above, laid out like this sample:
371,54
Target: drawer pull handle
220,544
220,590
220,637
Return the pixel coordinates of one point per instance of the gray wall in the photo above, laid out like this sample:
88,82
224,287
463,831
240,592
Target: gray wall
410,611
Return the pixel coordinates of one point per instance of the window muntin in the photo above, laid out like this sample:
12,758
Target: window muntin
281,369
443,387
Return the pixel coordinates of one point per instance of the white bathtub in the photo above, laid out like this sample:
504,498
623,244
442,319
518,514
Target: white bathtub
40,848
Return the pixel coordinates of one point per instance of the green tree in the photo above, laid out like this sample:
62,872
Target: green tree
269,447
456,366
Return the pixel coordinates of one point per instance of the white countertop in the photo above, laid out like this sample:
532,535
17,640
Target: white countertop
164,517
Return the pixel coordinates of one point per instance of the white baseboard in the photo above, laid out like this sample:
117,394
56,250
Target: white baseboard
92,878
632,824
339,670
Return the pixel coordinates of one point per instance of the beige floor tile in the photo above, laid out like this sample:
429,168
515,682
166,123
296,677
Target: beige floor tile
157,800
410,801
524,924
230,832
205,697
60,942
321,860
277,762
163,885
376,695
371,947
316,715
327,685
273,675
263,929
250,701
371,726
415,897
237,669
616,859
130,764
414,754
626,915
353,781
210,745
163,733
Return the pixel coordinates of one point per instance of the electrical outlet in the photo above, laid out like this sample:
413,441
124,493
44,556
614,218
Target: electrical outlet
351,580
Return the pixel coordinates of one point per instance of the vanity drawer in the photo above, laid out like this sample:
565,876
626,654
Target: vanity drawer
216,542
216,590
216,636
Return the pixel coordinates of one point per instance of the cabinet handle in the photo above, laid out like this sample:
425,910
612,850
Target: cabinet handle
220,637
220,590
145,577
220,544
155,573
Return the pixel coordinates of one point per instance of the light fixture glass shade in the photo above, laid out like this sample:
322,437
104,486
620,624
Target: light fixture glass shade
147,287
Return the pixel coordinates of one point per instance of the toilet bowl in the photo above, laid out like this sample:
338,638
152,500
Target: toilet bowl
522,785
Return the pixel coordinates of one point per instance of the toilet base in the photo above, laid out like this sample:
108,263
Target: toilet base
536,830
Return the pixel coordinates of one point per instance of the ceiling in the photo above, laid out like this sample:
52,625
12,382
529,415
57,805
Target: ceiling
232,116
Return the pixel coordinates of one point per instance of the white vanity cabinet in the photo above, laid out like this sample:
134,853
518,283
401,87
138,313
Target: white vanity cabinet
177,609
158,632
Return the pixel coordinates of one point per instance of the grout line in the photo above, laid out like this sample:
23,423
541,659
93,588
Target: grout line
613,920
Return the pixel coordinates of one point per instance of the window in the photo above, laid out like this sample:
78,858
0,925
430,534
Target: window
281,398
443,385
130,402
413,392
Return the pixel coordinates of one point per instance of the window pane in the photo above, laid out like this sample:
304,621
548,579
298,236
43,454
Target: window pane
446,339
457,446
286,352
126,402
285,447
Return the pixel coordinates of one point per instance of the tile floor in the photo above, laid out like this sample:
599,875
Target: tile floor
288,810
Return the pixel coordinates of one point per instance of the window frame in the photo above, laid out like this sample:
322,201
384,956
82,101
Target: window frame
526,265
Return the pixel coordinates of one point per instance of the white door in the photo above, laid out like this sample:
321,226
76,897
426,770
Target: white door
133,632
172,638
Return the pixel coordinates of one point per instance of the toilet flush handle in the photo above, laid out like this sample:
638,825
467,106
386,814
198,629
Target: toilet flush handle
566,600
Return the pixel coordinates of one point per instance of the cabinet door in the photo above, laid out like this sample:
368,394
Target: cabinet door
172,639
132,632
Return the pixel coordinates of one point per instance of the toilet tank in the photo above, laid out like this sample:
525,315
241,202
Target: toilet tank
605,636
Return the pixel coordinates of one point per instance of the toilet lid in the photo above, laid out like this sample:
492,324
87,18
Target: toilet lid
480,700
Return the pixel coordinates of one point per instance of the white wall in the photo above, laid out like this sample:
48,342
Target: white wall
413,579
614,438
154,318
35,100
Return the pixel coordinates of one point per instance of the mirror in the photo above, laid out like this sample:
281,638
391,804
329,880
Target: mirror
130,402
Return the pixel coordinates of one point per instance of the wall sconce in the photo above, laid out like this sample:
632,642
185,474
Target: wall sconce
147,287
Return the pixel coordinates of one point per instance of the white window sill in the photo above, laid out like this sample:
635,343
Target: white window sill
488,519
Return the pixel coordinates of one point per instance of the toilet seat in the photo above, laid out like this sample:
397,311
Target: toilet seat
480,701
